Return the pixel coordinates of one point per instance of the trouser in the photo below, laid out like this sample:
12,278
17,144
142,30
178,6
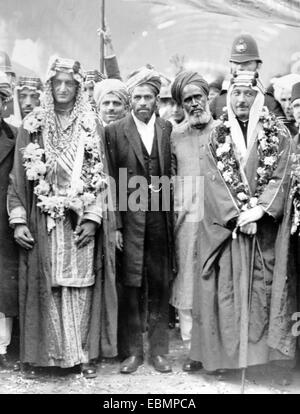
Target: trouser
5,332
185,324
150,302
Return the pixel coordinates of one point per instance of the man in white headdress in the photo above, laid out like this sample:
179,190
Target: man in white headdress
247,168
55,208
27,96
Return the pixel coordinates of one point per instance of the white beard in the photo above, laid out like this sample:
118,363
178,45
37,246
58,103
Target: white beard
200,119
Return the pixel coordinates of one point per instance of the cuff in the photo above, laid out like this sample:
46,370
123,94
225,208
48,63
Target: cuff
110,56
17,216
92,217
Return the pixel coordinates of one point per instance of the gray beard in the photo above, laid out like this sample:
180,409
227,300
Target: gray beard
196,120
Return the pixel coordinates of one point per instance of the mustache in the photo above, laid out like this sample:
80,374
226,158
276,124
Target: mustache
198,108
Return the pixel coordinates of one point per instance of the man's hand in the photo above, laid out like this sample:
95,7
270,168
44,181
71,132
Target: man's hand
250,216
249,229
23,236
119,240
106,34
85,233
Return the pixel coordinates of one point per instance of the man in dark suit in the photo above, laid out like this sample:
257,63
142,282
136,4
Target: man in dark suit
139,154
8,248
245,56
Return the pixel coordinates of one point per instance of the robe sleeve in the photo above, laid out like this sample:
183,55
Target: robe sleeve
112,67
111,146
219,203
273,197
16,195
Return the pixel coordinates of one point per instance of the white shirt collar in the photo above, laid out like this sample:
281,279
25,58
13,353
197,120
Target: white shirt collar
146,131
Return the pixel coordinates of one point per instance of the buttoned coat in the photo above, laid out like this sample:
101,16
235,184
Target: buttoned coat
8,248
126,161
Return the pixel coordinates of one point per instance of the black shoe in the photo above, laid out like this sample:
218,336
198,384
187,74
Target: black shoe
217,372
89,370
131,364
190,365
5,363
31,372
160,363
17,366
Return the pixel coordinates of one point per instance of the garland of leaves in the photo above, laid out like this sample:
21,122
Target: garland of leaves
295,193
229,166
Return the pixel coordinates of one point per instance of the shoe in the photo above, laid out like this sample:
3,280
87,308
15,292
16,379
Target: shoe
131,364
5,363
17,366
160,363
89,370
190,365
217,372
31,372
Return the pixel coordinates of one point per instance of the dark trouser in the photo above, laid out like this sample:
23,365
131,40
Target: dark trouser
151,301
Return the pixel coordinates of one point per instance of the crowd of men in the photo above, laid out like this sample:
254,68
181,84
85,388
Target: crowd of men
122,199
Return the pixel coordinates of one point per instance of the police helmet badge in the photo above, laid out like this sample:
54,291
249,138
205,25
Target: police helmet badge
241,46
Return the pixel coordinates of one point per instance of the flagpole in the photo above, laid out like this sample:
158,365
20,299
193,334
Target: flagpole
101,37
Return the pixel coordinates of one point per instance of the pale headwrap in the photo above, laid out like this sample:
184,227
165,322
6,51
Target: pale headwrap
143,76
185,78
250,79
58,64
114,86
33,83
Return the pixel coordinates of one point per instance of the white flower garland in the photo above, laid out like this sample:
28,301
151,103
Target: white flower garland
86,188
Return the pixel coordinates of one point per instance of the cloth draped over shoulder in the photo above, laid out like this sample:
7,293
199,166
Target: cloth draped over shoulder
35,282
218,303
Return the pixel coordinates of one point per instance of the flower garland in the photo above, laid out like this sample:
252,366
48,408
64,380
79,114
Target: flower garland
229,166
92,176
295,193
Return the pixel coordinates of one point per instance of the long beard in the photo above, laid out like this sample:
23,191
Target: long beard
197,120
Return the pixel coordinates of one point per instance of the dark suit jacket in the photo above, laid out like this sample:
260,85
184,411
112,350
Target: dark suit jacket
124,150
8,248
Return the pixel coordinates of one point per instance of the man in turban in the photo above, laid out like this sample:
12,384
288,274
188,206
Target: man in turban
112,100
140,157
8,248
188,140
55,207
246,163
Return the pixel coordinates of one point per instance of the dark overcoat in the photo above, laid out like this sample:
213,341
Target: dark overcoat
126,161
8,248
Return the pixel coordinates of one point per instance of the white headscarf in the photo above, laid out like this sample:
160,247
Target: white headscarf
245,78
